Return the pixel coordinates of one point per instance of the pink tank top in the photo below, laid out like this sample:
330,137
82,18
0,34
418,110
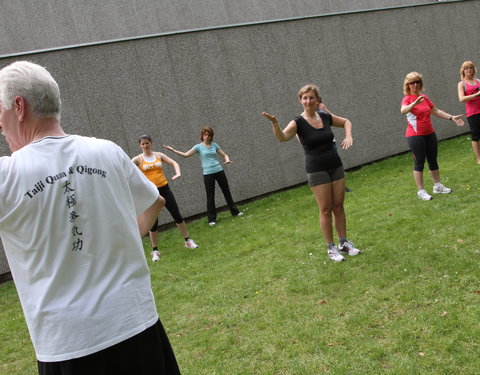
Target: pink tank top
472,107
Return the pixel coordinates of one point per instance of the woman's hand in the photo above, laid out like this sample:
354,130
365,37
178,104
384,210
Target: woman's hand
282,135
176,176
168,147
272,118
407,108
419,100
347,142
458,120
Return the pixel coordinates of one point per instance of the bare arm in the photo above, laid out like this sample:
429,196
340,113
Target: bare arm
136,160
346,124
324,108
171,163
407,108
224,156
285,134
148,217
461,93
444,115
180,153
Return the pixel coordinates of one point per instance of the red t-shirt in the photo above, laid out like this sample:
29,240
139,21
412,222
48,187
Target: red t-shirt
472,107
419,121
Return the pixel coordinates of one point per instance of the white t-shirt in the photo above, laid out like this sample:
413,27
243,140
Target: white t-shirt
68,221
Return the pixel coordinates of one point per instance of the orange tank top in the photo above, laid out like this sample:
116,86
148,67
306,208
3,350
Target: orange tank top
154,171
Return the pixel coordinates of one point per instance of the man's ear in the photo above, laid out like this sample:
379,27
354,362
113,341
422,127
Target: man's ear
20,107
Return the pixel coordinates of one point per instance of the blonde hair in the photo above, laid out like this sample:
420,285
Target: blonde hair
467,64
308,88
409,78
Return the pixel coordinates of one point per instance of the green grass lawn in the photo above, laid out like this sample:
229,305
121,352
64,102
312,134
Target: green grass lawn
260,296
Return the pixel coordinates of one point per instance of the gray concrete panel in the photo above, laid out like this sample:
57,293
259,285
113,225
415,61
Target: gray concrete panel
171,86
28,25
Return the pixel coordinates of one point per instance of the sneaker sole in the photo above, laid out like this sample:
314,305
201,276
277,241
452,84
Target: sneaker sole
429,199
347,253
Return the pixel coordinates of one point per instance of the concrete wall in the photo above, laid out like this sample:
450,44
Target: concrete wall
170,86
27,25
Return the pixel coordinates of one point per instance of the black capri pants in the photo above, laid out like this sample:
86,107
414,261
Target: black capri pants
170,204
424,147
474,123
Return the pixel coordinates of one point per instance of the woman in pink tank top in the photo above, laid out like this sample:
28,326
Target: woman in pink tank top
469,93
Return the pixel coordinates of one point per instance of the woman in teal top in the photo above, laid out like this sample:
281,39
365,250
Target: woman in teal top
212,171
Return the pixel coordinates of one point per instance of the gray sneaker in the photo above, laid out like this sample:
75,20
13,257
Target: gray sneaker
190,244
423,195
440,189
155,255
348,248
334,255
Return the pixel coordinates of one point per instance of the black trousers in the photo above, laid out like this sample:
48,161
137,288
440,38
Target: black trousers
148,353
170,204
424,147
221,178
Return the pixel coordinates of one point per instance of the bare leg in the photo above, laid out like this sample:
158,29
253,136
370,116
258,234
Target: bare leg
182,227
323,195
154,238
338,191
476,150
435,175
418,177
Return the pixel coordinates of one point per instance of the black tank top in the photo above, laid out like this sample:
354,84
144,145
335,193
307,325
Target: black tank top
320,153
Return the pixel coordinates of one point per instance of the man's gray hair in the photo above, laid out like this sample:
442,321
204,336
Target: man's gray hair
33,83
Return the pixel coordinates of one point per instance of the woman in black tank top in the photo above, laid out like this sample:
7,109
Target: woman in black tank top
323,165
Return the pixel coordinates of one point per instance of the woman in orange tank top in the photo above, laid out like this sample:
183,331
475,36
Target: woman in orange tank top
151,164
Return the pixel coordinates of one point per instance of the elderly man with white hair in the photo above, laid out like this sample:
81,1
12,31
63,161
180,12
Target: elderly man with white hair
72,211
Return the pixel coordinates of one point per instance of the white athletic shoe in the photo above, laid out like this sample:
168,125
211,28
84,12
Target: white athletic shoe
334,255
348,248
155,255
190,244
423,195
438,188
212,223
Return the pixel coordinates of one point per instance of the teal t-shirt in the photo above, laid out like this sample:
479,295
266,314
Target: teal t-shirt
208,157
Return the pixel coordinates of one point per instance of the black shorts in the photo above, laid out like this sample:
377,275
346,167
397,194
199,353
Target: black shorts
325,177
148,353
474,123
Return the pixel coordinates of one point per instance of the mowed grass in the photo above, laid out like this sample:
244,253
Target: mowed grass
260,296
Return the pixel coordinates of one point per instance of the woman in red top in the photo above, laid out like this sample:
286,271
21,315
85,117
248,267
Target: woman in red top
420,134
469,93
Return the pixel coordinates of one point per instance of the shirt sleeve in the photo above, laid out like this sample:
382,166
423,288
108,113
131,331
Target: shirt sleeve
406,100
429,102
144,193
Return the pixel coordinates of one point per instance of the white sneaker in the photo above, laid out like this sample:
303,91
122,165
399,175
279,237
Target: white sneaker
423,195
239,214
155,255
348,248
334,255
438,188
212,223
190,244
